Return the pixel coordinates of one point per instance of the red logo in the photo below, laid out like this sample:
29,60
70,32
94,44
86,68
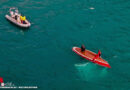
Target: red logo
1,81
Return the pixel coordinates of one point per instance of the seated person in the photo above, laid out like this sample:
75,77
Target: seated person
18,19
16,16
12,14
23,19
82,48
97,55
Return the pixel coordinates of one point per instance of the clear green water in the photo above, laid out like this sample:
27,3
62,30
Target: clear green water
42,56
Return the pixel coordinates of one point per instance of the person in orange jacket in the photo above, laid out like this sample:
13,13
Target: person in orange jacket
97,55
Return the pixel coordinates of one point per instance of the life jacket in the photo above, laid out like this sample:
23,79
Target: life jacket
22,18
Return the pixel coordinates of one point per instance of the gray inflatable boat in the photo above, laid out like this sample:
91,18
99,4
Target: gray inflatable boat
17,22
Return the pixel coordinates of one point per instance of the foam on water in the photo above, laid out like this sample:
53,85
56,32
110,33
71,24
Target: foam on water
91,8
90,71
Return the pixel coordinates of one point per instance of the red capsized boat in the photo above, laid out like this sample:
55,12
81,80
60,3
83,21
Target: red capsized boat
91,57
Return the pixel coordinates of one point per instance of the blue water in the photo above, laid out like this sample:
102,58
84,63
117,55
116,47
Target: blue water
42,55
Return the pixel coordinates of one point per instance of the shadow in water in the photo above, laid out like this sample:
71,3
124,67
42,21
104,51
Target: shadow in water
18,27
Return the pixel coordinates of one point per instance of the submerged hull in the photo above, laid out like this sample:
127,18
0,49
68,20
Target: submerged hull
17,23
90,55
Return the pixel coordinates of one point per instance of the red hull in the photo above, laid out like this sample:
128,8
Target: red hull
90,55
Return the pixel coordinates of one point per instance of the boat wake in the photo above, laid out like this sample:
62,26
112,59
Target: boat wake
90,71
81,64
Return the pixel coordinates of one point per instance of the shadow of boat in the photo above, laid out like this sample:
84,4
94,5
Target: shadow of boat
23,28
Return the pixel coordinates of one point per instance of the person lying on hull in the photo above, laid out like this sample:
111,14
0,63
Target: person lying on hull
97,55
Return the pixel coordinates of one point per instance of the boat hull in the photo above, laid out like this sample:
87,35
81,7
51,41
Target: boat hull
17,23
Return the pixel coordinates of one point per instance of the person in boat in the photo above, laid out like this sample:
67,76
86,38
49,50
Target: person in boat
82,48
97,55
16,16
12,14
23,19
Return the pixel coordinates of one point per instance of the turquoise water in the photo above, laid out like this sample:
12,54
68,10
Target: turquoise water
42,55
